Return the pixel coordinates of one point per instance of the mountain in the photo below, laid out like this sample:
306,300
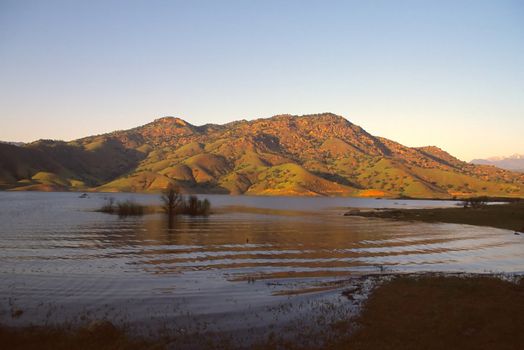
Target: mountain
12,143
321,154
514,162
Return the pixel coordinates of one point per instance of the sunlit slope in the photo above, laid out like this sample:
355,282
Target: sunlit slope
292,179
322,154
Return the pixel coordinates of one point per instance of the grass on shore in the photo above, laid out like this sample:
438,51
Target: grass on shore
508,216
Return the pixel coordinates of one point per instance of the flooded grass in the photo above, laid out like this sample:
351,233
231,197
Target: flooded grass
125,208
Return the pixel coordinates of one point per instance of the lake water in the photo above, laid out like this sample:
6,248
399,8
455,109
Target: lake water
62,262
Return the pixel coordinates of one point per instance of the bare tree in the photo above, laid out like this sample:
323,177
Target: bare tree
173,199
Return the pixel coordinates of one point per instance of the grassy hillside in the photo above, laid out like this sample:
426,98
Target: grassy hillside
322,154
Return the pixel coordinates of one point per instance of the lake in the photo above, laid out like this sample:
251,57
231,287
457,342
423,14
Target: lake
258,262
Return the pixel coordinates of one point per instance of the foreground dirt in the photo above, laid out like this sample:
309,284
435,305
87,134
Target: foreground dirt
408,312
442,313
98,336
507,216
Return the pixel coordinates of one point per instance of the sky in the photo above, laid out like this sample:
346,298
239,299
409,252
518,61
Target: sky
444,73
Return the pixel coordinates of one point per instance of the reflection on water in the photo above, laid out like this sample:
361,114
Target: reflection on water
54,250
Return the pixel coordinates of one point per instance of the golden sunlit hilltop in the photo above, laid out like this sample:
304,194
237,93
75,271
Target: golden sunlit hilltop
320,154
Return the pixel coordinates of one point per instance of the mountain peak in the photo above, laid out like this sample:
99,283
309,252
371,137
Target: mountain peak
321,118
516,156
286,154
171,121
327,116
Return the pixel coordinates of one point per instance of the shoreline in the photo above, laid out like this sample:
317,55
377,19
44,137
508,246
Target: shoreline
419,310
509,216
457,199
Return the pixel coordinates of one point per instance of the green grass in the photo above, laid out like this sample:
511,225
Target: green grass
292,179
50,179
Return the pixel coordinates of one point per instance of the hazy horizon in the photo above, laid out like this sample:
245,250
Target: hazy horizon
440,73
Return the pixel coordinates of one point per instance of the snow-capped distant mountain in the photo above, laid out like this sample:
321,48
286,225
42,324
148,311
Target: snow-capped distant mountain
514,162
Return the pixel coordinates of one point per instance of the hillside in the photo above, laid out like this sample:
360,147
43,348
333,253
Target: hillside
513,163
322,154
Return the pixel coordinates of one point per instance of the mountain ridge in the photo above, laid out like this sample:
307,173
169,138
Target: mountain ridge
514,162
317,154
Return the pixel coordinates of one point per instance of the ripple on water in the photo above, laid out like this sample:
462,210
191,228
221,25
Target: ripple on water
63,254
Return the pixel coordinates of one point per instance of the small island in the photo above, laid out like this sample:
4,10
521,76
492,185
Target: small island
174,203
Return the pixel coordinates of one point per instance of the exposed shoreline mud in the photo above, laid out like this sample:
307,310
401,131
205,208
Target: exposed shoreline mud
394,311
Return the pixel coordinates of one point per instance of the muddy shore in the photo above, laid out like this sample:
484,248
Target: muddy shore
428,311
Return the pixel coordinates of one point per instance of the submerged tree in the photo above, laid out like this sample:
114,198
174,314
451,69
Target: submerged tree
173,199
175,203
195,206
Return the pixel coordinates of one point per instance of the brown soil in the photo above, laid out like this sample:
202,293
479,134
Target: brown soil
442,313
98,336
409,312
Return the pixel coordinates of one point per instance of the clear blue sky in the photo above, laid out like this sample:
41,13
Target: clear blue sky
445,73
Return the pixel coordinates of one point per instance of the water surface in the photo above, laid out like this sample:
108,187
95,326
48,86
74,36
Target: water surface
61,261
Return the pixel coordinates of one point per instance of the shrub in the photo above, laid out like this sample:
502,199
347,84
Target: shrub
175,203
195,206
475,202
109,207
128,207
125,208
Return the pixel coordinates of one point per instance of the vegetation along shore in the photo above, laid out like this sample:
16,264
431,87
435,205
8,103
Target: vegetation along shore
509,216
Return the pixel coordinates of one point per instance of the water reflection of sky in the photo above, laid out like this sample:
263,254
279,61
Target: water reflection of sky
55,249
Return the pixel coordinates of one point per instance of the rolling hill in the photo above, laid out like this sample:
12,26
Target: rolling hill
321,154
